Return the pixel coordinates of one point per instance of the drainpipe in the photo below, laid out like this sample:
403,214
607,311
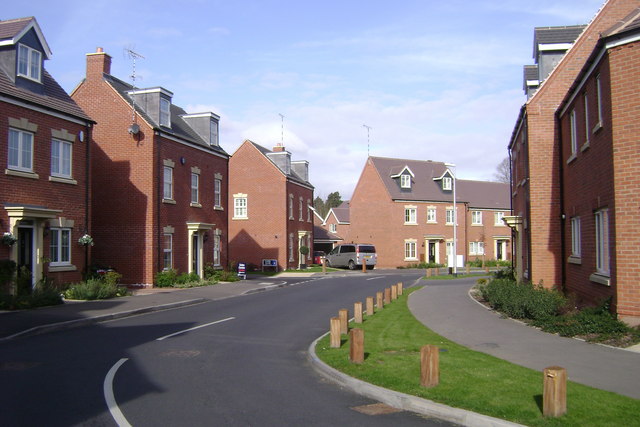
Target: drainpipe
562,219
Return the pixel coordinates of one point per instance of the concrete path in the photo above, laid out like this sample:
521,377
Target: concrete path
447,309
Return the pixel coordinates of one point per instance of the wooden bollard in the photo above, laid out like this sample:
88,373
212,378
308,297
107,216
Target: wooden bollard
400,290
324,265
369,306
343,314
429,366
379,301
357,312
394,292
428,272
356,349
387,296
335,332
364,266
486,269
437,271
468,268
554,396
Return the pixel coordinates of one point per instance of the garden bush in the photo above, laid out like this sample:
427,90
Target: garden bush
522,300
102,288
166,278
44,294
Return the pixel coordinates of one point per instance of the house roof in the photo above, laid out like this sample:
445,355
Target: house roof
322,235
179,128
341,213
478,194
292,175
52,97
629,23
555,35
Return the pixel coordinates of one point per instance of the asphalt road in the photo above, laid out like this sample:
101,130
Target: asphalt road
249,368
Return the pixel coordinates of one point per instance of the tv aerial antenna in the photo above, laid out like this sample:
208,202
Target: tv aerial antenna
133,56
368,129
281,129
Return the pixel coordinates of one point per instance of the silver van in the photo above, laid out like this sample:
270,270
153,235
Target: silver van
352,255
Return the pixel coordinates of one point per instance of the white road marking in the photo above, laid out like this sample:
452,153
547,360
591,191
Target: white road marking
194,328
375,278
107,388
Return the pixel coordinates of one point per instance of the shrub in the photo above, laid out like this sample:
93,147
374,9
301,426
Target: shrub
44,294
94,289
522,300
186,278
588,321
166,278
7,273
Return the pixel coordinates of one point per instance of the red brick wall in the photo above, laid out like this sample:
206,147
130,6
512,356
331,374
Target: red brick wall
265,234
68,198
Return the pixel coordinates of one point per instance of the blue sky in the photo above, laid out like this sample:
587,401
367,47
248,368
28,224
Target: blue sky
435,80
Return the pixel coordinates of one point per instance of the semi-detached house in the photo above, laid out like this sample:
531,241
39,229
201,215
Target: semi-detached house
159,179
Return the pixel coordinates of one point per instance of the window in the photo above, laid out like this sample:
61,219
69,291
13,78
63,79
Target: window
194,188
213,132
449,219
410,216
216,249
333,228
240,207
167,252
586,119
410,250
476,217
291,247
405,181
290,206
308,210
574,137
165,112
20,150
60,158
575,237
217,193
167,192
599,102
446,183
476,248
301,203
431,214
60,247
498,218
29,62
602,242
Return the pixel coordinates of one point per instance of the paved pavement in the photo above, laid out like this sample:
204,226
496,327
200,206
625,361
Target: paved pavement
446,308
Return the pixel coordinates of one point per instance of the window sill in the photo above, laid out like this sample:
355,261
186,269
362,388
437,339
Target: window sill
597,127
218,208
600,278
411,259
432,222
169,201
410,223
195,205
63,180
22,174
240,218
585,146
574,260
572,158
61,268
476,225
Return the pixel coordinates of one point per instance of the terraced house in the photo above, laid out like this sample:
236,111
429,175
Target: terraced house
44,138
405,208
159,179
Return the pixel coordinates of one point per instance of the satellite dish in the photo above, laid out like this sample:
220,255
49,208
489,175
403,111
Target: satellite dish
134,129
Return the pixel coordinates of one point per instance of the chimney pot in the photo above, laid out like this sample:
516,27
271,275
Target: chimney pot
99,50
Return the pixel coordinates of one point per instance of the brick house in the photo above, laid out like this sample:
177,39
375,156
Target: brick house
539,168
272,200
159,179
405,208
44,134
599,171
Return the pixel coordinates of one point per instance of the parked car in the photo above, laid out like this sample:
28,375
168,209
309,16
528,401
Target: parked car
352,255
318,256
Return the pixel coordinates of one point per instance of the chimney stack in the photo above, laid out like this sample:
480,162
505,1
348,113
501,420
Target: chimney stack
98,63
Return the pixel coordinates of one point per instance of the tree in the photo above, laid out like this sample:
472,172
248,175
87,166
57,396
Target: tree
333,200
503,171
320,207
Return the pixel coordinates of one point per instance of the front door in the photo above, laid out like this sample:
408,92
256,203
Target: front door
25,260
195,254
499,250
432,251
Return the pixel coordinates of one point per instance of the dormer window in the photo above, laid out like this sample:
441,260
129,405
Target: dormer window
29,63
214,133
446,183
165,112
405,181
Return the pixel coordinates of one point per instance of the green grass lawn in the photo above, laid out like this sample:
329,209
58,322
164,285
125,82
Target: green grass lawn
468,379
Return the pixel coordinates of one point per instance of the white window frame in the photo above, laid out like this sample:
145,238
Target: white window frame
165,112
498,218
217,193
213,133
573,130
291,206
410,250
308,210
291,247
447,183
33,64
301,203
167,251
410,215
167,183
599,103
216,250
587,131
476,217
333,228
602,242
431,215
450,216
240,206
23,152
195,192
61,158
476,248
57,251
575,237
405,181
